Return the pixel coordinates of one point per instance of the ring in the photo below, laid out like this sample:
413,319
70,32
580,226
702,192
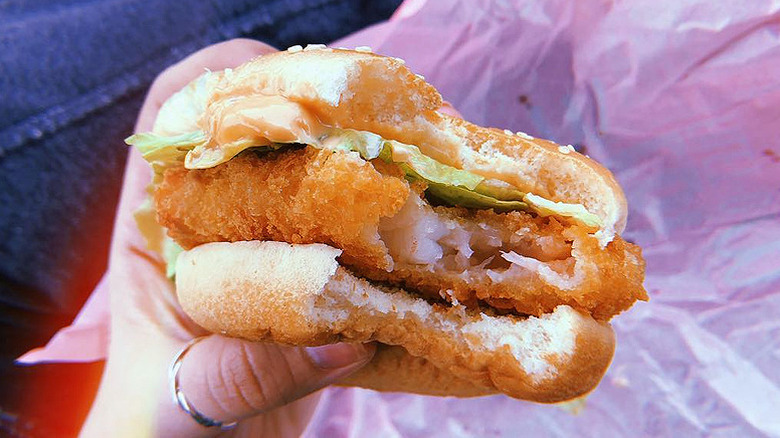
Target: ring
181,400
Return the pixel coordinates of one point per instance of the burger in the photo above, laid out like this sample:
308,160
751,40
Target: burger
319,195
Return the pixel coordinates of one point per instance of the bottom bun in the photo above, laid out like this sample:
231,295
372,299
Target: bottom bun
393,369
299,295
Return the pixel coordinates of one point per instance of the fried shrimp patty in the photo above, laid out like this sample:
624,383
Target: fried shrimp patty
514,262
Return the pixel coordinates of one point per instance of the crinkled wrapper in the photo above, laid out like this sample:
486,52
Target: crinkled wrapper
681,100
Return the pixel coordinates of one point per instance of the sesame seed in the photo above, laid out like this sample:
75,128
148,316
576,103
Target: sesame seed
400,60
507,132
314,47
524,135
363,49
295,48
566,149
420,76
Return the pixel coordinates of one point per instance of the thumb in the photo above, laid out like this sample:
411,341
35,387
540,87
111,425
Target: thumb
229,379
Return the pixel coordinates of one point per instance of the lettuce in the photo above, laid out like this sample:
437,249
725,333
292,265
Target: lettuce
545,207
203,157
422,167
456,195
160,148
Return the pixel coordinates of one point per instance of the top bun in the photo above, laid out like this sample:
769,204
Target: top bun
368,92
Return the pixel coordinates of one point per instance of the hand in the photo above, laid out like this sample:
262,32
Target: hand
265,387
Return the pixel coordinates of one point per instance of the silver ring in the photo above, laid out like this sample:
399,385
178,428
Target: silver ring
181,400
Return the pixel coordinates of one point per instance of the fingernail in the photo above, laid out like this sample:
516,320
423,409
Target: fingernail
339,355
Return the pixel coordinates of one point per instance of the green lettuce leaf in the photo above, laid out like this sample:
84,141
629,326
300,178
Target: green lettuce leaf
545,207
456,195
499,190
160,148
422,167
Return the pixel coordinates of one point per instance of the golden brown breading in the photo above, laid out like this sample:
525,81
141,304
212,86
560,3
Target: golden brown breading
296,196
337,198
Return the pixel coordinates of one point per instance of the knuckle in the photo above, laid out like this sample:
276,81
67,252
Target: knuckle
241,382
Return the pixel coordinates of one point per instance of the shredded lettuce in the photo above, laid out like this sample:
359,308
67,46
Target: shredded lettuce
450,185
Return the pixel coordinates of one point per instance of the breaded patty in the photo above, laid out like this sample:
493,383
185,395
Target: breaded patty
512,261
298,196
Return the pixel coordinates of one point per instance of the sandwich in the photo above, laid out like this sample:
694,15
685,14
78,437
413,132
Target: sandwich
319,195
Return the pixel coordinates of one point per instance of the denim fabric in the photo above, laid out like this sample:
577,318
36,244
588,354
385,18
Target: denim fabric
72,78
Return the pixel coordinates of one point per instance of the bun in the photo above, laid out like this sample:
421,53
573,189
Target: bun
393,369
298,295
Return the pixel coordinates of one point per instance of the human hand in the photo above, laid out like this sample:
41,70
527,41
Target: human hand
265,387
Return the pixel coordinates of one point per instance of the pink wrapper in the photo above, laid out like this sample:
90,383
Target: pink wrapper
681,100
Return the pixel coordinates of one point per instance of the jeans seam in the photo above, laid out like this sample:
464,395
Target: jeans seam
55,117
